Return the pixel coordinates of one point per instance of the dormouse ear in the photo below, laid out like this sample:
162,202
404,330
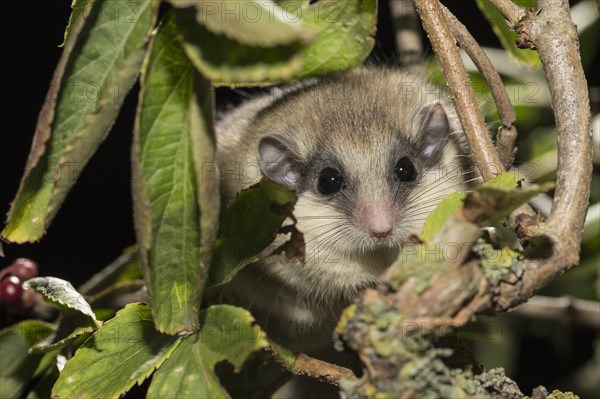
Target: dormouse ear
434,129
278,160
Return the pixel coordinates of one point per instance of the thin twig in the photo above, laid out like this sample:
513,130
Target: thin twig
303,364
566,309
484,65
509,10
507,133
322,370
460,88
407,32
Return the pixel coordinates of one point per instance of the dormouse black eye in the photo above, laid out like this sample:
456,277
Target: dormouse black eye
330,181
405,170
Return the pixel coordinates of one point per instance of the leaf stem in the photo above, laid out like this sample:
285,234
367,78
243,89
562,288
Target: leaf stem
566,309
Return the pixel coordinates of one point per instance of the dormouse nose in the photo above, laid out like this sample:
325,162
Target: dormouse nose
381,234
380,221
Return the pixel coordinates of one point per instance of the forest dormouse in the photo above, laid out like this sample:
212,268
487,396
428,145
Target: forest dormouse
370,154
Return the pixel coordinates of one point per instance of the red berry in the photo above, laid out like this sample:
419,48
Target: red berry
24,269
11,290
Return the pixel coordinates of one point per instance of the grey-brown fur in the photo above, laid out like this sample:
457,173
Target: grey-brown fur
360,123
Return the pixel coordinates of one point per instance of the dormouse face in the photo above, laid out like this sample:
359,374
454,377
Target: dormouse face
365,184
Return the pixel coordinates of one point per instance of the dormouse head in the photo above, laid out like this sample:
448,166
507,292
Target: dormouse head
368,171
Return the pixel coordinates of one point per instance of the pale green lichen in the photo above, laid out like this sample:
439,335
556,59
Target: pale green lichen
556,394
498,264
347,314
417,362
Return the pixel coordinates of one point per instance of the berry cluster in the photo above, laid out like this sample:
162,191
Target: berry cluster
11,279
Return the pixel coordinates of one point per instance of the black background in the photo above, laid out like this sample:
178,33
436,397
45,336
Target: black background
95,222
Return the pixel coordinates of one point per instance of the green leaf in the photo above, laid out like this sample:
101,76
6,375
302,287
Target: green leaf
17,366
526,3
79,334
255,23
493,200
226,61
346,33
505,180
79,8
73,329
344,38
173,140
489,204
99,65
62,292
123,352
446,208
46,362
249,224
227,333
507,37
202,111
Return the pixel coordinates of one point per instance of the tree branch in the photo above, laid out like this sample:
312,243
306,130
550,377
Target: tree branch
553,33
507,133
559,52
460,88
509,10
484,65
